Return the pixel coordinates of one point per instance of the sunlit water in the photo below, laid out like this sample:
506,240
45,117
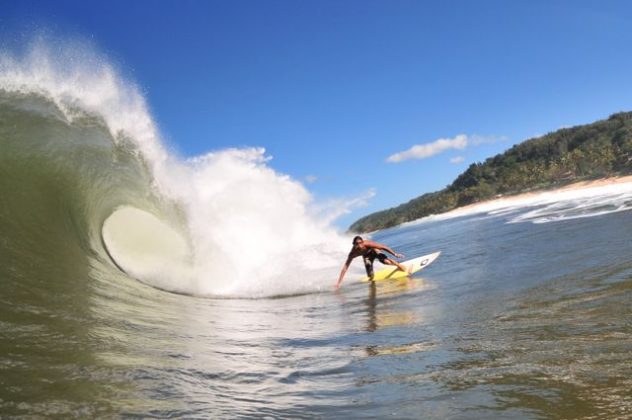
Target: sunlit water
514,319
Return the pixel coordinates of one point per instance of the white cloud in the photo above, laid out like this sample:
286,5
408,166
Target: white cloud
310,179
426,150
457,159
422,151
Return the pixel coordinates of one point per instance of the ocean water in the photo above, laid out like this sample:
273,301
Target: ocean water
134,283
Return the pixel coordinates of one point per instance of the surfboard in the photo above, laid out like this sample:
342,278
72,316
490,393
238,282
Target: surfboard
390,272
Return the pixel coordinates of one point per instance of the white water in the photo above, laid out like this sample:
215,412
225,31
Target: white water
550,206
575,204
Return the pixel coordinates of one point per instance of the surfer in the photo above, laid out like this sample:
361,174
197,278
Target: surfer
369,251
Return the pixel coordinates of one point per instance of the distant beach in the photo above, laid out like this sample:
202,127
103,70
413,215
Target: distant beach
518,199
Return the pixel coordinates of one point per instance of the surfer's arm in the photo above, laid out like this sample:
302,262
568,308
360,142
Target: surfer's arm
344,270
383,247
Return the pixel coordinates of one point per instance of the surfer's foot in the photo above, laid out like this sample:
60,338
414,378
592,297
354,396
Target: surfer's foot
403,268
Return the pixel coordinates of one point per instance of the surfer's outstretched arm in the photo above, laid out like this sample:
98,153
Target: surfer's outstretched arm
383,247
344,270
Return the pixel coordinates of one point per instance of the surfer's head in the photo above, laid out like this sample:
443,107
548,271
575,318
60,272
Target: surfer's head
357,240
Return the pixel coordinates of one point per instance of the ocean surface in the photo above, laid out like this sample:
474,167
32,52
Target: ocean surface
134,282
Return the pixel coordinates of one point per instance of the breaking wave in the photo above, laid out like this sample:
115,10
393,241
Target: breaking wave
84,169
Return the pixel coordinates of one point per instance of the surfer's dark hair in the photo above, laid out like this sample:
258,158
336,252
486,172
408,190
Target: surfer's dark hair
356,238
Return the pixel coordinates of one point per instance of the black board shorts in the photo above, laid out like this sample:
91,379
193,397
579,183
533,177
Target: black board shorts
368,259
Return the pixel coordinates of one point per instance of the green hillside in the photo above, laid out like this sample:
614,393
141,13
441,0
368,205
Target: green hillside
596,150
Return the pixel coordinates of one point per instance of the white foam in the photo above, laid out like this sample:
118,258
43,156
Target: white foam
252,230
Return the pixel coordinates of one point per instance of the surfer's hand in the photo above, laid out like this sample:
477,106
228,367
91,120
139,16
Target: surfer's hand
399,255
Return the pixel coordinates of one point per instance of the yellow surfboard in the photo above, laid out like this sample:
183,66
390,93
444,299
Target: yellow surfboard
391,272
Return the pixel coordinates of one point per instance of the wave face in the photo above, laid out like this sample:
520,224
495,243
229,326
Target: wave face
82,162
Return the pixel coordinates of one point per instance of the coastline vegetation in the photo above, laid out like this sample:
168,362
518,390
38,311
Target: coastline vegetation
598,150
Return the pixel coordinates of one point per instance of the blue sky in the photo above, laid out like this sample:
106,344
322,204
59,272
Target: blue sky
332,89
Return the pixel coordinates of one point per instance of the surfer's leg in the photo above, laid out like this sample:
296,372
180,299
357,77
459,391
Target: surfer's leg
368,266
395,263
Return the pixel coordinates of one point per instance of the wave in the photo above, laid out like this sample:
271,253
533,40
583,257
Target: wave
84,167
581,203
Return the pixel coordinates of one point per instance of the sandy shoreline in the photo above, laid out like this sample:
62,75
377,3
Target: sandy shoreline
515,199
